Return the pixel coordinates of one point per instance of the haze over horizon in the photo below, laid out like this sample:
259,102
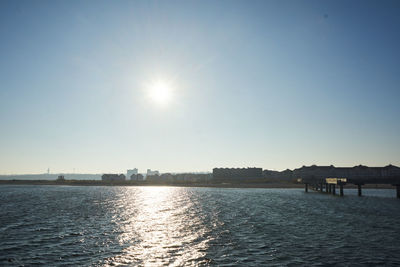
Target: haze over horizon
105,86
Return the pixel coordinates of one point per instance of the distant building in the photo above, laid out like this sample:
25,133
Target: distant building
113,177
61,178
237,174
136,177
183,177
151,173
285,175
360,171
154,178
129,173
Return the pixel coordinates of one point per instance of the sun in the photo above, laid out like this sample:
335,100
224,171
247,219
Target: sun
160,92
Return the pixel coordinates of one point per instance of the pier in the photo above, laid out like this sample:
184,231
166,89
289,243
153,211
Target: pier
330,184
330,178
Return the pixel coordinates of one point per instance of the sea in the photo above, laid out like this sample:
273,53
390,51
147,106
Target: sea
189,226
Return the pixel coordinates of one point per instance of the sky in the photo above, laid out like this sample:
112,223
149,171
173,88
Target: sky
270,84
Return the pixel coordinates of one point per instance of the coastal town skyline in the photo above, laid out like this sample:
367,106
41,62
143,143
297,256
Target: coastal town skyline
188,86
151,172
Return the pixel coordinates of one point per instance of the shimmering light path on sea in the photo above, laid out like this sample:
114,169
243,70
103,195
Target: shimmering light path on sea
153,226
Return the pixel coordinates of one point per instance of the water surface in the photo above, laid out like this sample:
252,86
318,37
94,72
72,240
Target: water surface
153,226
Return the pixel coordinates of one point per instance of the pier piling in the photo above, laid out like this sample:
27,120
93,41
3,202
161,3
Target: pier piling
341,189
359,190
306,188
333,189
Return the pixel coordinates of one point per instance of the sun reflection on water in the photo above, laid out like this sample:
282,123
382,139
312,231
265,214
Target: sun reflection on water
162,227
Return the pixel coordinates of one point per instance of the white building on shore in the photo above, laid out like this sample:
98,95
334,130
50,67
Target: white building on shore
129,173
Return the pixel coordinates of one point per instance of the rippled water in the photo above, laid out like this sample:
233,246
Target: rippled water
153,226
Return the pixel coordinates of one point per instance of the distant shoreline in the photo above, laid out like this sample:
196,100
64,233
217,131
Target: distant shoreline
144,183
188,184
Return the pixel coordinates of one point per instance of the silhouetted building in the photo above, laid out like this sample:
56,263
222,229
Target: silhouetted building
360,171
153,178
61,178
113,177
136,177
277,176
150,172
237,173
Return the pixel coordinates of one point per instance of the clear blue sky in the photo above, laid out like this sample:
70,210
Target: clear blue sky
272,84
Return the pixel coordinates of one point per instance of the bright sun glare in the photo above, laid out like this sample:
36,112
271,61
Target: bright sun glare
160,92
